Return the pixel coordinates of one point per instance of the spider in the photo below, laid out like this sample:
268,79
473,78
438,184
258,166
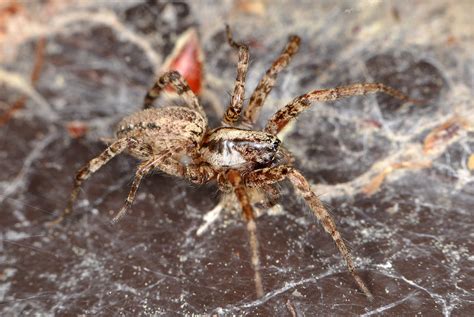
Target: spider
177,141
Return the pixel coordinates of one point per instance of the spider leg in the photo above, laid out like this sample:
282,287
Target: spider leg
143,169
182,88
279,173
197,174
281,118
91,167
265,85
234,109
240,191
272,195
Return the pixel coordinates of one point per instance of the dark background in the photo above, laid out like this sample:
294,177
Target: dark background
411,238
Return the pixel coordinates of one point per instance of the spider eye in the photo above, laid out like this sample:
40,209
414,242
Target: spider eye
276,143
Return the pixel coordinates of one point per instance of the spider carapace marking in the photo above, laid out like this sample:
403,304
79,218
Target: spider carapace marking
177,141
233,148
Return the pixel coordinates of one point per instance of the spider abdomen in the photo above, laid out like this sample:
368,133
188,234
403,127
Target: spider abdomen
163,130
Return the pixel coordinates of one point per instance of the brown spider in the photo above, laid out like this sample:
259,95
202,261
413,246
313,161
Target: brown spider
177,141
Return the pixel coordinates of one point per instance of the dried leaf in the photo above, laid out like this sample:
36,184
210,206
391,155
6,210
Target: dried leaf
443,133
8,9
256,7
470,162
374,185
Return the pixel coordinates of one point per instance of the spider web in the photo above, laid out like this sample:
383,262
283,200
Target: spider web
411,234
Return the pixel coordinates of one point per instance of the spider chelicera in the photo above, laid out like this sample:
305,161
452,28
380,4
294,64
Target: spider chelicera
177,141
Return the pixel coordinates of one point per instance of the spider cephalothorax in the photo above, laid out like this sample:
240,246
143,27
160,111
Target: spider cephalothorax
226,148
177,141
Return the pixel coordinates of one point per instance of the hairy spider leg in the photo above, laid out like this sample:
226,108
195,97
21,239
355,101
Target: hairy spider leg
303,188
199,174
281,118
265,85
182,88
234,109
143,169
90,168
275,174
240,191
195,173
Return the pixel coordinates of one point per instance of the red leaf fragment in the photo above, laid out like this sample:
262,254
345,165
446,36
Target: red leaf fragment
76,129
187,59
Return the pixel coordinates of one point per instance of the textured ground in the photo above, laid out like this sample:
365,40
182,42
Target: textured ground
398,178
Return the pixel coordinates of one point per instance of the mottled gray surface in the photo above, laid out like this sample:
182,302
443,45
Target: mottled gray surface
412,239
